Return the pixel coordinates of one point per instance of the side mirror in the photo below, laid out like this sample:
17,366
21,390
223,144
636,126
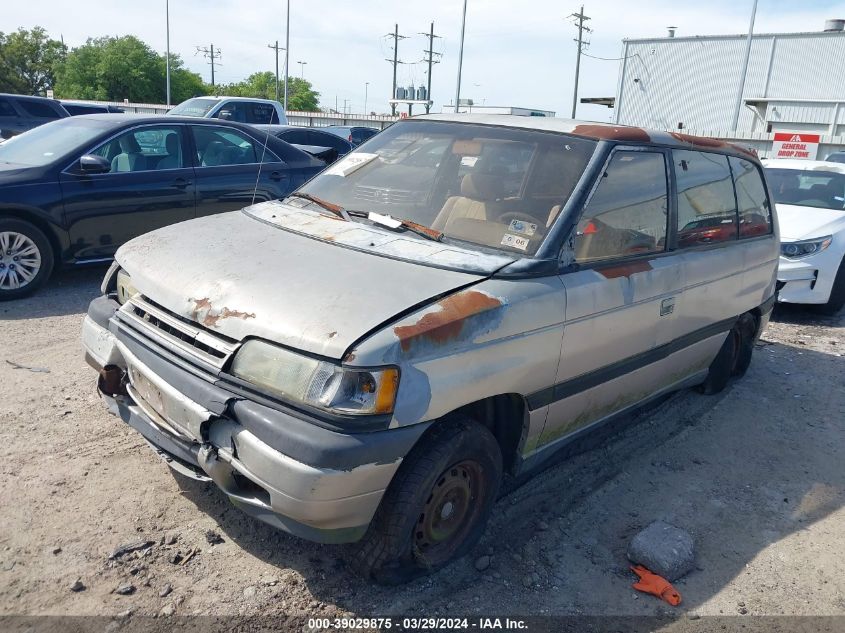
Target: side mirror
93,164
224,114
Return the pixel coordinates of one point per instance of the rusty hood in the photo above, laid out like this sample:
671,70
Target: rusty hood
241,276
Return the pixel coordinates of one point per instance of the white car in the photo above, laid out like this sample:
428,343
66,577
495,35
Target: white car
238,109
810,200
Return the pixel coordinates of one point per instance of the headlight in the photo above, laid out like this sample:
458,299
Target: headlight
316,383
125,289
805,248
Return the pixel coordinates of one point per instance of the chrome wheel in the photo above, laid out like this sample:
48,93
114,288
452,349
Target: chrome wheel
20,260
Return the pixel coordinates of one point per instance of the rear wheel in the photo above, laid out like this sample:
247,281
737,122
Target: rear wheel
26,258
721,369
437,506
837,293
746,327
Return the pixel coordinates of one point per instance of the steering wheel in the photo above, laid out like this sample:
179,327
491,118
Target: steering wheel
509,216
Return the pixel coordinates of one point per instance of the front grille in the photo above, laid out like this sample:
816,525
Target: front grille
163,326
387,196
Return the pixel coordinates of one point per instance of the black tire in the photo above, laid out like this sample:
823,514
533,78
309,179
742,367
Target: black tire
747,328
721,368
837,294
456,467
9,229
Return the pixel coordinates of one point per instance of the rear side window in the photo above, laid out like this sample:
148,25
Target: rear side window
38,109
299,137
6,109
706,203
627,214
755,215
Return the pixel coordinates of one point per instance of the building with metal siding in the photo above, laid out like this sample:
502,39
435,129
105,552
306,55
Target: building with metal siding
795,82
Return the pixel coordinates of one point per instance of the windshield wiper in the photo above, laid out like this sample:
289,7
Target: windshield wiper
394,223
328,206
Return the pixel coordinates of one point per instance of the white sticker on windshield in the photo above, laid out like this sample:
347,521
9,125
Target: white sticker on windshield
526,228
350,163
515,241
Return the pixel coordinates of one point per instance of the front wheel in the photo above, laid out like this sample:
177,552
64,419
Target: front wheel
26,258
437,506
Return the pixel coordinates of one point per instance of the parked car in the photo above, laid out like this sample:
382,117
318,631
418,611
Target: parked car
320,144
836,157
237,109
354,134
75,108
810,198
371,370
19,113
72,191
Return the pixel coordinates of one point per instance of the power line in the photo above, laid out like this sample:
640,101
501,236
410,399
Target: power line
430,60
396,61
578,19
211,55
277,48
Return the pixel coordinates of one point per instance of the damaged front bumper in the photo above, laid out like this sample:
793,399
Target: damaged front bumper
277,466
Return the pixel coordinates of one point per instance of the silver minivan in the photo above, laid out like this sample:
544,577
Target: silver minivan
460,297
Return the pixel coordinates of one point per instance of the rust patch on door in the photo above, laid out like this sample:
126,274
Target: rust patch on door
624,270
613,132
204,313
448,323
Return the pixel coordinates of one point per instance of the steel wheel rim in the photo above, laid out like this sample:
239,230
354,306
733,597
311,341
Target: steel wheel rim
450,512
20,260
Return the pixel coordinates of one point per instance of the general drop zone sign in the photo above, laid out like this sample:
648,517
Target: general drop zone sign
791,145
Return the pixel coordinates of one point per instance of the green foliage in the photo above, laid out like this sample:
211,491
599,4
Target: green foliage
301,95
117,68
29,61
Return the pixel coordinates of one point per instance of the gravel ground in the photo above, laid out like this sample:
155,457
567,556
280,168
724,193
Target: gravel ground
754,474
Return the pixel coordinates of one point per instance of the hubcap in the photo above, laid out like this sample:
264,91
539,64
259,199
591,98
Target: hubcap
20,260
450,512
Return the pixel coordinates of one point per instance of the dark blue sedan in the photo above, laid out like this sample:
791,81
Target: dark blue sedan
72,191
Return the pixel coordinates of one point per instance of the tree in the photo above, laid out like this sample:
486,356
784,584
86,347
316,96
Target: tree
29,61
117,68
301,96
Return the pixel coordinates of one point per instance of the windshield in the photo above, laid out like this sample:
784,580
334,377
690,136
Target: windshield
495,187
816,188
194,107
46,143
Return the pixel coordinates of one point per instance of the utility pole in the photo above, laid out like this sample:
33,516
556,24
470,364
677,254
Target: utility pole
167,55
287,55
430,59
302,69
460,59
366,89
276,48
578,20
744,68
396,37
211,55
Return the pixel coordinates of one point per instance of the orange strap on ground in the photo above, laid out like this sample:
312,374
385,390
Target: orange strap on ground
656,586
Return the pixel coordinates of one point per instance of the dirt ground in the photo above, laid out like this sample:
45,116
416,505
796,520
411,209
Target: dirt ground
755,474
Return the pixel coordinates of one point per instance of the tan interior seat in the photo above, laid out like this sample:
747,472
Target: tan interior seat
478,193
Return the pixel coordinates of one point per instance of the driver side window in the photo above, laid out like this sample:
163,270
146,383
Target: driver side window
627,213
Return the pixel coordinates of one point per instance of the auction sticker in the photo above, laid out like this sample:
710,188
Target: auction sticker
526,228
515,241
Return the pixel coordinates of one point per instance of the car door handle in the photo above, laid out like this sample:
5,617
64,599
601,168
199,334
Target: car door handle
667,306
278,175
180,183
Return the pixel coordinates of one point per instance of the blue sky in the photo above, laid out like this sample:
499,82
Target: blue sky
516,53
